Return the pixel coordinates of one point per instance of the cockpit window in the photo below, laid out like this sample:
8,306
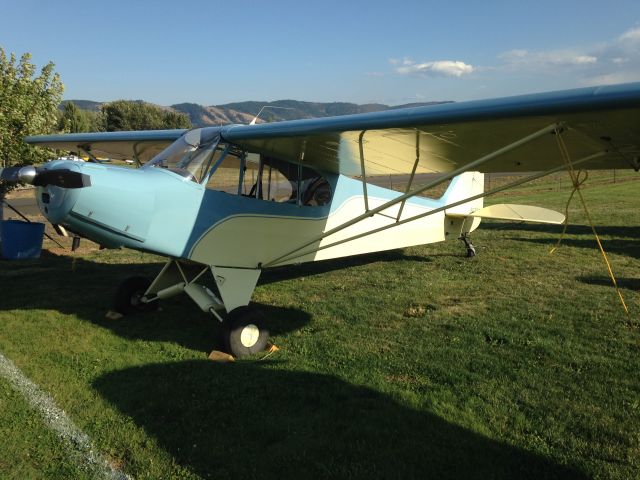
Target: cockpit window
265,178
190,155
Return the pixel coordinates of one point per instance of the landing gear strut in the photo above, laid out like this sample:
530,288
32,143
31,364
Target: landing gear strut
471,250
244,330
129,295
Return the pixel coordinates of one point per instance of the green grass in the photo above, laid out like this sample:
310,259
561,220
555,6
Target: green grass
28,449
417,363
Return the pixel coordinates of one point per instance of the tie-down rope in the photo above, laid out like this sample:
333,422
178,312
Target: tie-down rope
577,183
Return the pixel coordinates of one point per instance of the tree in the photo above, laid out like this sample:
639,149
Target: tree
28,106
137,115
74,120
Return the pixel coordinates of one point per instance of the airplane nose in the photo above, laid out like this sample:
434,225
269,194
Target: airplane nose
55,200
58,173
27,174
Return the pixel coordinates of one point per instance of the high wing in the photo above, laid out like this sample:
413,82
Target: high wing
142,145
603,122
449,136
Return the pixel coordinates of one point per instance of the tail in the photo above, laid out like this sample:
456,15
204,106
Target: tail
465,218
457,218
465,185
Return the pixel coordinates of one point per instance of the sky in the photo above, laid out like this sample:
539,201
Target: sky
390,52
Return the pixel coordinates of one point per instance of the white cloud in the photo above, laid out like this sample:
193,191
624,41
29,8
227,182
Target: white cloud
514,54
537,60
611,78
439,68
632,35
619,60
615,60
580,60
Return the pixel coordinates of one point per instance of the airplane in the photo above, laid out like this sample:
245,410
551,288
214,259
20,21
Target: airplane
234,200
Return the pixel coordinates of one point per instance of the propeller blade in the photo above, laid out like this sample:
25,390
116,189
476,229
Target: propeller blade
62,178
10,174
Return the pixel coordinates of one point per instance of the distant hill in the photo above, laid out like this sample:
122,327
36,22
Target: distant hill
201,116
244,112
83,104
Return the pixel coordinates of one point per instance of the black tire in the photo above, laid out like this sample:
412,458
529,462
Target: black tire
245,332
471,252
128,295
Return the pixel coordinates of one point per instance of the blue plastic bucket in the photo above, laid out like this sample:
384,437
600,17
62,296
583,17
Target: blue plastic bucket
21,240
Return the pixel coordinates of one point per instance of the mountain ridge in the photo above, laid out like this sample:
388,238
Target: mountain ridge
245,112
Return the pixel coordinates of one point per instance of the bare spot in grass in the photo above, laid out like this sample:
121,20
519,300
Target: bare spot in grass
457,307
495,341
417,310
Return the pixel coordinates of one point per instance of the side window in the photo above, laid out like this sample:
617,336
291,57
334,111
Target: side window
295,183
265,178
276,186
251,179
227,175
316,192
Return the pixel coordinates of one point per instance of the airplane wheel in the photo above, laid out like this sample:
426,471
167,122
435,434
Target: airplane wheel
471,251
128,296
245,332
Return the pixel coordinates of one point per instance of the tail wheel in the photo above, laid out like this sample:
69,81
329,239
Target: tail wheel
245,332
129,295
466,239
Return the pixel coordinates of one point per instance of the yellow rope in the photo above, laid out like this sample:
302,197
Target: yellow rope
566,208
577,183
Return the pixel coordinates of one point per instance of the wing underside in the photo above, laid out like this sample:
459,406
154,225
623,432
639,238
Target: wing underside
443,138
142,145
447,137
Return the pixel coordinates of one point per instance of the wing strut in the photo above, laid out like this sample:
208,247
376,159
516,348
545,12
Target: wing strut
87,149
468,167
136,155
451,205
363,172
413,173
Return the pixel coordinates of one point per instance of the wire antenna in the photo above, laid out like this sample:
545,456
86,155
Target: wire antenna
253,122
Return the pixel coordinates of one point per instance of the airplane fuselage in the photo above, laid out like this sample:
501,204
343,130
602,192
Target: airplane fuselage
159,211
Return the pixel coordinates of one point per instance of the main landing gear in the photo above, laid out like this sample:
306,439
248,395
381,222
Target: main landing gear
244,327
245,332
471,250
129,295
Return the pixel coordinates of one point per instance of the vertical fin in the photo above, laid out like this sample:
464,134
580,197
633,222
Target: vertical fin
464,186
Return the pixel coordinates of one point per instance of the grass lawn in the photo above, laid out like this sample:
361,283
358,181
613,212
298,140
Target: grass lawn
417,363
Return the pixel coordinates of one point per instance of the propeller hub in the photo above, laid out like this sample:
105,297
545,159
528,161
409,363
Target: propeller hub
27,174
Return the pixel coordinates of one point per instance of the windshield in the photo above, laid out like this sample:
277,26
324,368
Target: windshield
190,155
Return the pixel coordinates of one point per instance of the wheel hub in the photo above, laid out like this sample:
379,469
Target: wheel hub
249,335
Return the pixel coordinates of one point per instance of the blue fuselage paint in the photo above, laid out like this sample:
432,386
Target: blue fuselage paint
146,209
156,210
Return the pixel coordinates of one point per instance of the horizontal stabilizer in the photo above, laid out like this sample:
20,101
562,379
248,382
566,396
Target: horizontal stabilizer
522,213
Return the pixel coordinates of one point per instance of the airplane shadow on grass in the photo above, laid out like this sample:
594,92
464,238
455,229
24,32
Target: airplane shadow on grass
602,280
86,289
256,420
626,239
251,420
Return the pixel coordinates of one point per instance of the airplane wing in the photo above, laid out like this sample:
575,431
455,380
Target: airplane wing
143,144
446,137
450,136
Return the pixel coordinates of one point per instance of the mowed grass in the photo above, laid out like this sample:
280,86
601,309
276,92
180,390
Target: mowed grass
417,363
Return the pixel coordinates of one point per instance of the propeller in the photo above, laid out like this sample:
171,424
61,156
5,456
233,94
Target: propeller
41,177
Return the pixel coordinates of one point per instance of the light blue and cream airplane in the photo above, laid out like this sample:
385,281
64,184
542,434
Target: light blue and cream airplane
236,199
